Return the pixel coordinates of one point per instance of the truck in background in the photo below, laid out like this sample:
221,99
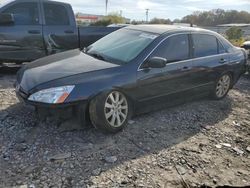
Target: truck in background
31,29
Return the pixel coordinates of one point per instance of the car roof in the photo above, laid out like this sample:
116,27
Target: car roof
160,29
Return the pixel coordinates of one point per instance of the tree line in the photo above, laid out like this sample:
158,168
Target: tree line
206,18
199,18
216,17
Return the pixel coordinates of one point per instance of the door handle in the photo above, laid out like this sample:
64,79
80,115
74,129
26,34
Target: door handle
222,60
185,68
34,31
68,31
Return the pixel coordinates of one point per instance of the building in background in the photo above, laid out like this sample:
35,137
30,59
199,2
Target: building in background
224,27
88,18
221,29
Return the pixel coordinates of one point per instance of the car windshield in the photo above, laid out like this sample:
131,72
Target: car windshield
4,2
121,46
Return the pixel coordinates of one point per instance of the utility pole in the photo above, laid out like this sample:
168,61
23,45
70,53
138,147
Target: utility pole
147,11
106,7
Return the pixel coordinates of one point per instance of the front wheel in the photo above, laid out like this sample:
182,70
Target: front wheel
109,112
222,86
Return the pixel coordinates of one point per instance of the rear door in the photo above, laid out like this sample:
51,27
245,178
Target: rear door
23,40
210,59
59,27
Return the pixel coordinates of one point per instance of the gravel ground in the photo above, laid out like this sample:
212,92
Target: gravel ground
199,144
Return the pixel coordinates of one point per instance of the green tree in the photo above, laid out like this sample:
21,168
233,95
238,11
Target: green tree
176,20
113,18
160,21
135,22
234,33
101,23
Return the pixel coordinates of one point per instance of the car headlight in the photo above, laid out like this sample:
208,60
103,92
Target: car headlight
55,95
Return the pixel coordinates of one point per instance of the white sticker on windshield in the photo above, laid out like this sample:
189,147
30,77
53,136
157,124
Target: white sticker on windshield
149,36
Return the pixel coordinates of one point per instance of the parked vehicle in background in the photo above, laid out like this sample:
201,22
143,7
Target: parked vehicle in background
118,25
133,70
31,29
246,46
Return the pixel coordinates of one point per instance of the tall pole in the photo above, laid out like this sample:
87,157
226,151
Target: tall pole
147,10
106,7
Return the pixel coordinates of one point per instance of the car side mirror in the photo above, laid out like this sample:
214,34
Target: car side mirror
6,19
156,62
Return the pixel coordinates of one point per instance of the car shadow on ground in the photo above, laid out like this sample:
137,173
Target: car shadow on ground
11,69
33,146
244,86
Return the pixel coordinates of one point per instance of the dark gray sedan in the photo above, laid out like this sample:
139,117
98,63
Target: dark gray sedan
131,71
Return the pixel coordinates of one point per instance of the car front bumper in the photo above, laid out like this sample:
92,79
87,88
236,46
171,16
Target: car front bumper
77,109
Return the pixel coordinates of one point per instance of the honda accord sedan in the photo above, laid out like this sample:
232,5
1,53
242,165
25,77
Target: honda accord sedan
133,70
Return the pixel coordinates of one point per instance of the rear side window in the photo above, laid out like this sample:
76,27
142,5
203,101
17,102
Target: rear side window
175,48
221,48
204,45
56,14
24,13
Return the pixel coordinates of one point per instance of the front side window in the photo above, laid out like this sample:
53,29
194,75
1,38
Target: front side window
56,14
175,48
204,45
121,46
24,13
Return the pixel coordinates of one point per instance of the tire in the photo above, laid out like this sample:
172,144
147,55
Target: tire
109,112
222,86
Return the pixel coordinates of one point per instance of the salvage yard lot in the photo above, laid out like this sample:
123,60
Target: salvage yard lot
203,142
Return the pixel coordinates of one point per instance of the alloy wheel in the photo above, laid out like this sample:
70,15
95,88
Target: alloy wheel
116,109
223,86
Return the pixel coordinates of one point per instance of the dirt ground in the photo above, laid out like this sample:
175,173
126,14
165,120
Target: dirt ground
204,143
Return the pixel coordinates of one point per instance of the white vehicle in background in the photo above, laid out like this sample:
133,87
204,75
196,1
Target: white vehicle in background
246,46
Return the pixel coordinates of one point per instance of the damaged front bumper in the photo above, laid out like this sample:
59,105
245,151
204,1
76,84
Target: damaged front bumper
77,110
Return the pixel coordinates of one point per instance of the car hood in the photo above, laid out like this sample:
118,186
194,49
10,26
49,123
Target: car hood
58,66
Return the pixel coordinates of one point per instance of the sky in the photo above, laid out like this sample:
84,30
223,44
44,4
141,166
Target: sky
135,9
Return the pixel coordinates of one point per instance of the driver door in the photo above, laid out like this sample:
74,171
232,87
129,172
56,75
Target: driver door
155,84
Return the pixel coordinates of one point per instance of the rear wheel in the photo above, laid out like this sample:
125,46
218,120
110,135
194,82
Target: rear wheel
109,111
222,86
